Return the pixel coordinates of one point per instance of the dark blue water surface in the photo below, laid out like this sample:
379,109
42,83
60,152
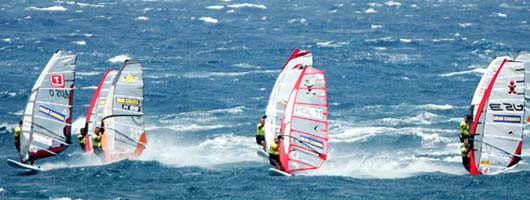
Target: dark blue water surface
400,76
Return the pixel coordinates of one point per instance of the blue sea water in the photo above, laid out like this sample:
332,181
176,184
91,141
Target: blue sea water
400,74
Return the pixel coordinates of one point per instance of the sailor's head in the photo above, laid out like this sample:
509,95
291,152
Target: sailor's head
466,142
278,138
97,131
467,117
20,122
263,118
82,131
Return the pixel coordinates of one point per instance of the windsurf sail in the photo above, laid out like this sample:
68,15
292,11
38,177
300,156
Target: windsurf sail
498,124
484,83
97,106
47,118
523,56
124,135
285,82
305,123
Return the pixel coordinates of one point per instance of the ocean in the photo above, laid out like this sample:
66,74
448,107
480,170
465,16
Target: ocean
400,77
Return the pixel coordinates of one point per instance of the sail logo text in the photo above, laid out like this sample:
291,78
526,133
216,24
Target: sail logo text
311,141
129,78
507,118
506,106
52,113
305,111
127,100
57,80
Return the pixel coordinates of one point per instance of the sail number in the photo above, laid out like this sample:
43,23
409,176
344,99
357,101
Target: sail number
59,93
506,106
130,107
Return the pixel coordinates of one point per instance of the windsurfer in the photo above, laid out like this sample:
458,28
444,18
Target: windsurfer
464,152
274,153
17,135
96,142
81,138
260,132
464,128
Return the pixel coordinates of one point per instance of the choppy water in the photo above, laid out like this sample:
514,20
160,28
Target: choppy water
400,76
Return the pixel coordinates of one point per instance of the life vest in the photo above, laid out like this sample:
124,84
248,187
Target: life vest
463,151
17,131
464,128
96,141
260,131
273,149
81,139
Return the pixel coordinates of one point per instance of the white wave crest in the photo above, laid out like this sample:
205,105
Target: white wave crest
385,166
425,118
376,26
224,74
361,134
142,18
51,8
246,65
478,71
247,5
332,44
436,107
215,7
503,15
80,42
221,149
393,3
119,58
100,5
370,10
209,20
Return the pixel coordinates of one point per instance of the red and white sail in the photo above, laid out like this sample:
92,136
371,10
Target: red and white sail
305,123
484,82
46,128
499,119
285,82
97,106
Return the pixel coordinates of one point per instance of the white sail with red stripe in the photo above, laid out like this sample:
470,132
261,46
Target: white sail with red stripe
484,82
499,120
46,128
305,123
97,106
285,82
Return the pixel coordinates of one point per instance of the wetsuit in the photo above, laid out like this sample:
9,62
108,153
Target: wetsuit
464,152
